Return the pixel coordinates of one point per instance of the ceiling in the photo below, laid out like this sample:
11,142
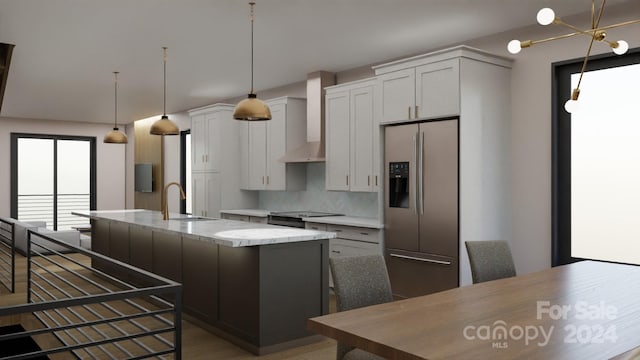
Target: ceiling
66,50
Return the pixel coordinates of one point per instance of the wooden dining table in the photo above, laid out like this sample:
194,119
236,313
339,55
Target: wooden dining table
584,310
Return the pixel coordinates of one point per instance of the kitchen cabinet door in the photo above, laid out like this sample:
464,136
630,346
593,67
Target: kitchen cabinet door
276,146
206,138
361,139
206,194
200,279
198,142
257,155
438,89
397,95
337,140
268,141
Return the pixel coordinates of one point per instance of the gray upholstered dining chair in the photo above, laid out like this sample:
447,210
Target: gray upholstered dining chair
359,281
490,260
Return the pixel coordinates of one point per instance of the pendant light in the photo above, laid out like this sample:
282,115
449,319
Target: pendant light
252,108
164,126
116,136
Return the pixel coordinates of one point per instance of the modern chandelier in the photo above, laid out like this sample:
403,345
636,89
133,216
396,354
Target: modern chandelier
115,136
547,16
252,108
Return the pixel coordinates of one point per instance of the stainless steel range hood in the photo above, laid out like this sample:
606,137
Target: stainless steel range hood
313,149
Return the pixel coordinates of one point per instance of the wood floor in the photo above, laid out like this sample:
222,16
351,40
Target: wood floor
196,342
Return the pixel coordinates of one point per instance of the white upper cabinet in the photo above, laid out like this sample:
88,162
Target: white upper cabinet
352,137
419,88
206,132
265,142
438,89
337,140
216,152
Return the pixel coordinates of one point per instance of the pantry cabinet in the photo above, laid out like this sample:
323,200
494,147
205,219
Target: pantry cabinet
352,142
215,155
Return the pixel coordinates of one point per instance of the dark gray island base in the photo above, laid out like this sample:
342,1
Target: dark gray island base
258,297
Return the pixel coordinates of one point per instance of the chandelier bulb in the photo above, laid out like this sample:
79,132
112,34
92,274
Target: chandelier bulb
514,46
620,47
546,16
572,106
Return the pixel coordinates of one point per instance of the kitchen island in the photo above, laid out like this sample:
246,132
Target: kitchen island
253,284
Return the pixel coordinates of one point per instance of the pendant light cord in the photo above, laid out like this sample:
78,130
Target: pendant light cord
164,90
251,17
115,125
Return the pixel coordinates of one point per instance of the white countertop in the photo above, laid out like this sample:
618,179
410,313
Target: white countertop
247,212
372,223
220,231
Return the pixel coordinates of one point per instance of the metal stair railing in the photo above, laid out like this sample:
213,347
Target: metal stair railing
95,315
7,255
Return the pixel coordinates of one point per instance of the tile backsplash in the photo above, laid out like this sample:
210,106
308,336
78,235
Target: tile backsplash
317,198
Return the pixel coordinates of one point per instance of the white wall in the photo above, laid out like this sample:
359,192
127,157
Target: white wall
110,158
531,125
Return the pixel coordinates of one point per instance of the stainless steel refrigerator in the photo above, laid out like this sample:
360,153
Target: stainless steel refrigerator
421,207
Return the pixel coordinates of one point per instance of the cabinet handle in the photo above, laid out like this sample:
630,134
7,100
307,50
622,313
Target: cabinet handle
409,112
335,251
417,112
368,180
267,179
364,233
337,230
262,180
376,180
347,180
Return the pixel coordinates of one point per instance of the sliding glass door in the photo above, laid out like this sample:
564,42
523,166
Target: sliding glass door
52,176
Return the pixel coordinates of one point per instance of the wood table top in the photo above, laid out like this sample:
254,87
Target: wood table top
585,310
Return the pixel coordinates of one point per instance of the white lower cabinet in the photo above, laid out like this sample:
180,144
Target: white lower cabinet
350,241
206,194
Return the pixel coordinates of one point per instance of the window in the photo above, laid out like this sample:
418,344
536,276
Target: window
52,176
596,161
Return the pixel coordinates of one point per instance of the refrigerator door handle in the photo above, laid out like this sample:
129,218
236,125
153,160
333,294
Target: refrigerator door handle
414,156
441,262
421,172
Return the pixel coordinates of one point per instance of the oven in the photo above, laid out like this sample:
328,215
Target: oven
294,218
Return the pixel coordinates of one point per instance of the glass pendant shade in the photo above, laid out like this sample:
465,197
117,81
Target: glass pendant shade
252,109
164,126
115,136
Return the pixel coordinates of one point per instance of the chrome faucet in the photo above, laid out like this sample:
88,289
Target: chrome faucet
165,202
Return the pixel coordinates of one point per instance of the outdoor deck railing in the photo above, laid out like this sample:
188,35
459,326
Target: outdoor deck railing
90,314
